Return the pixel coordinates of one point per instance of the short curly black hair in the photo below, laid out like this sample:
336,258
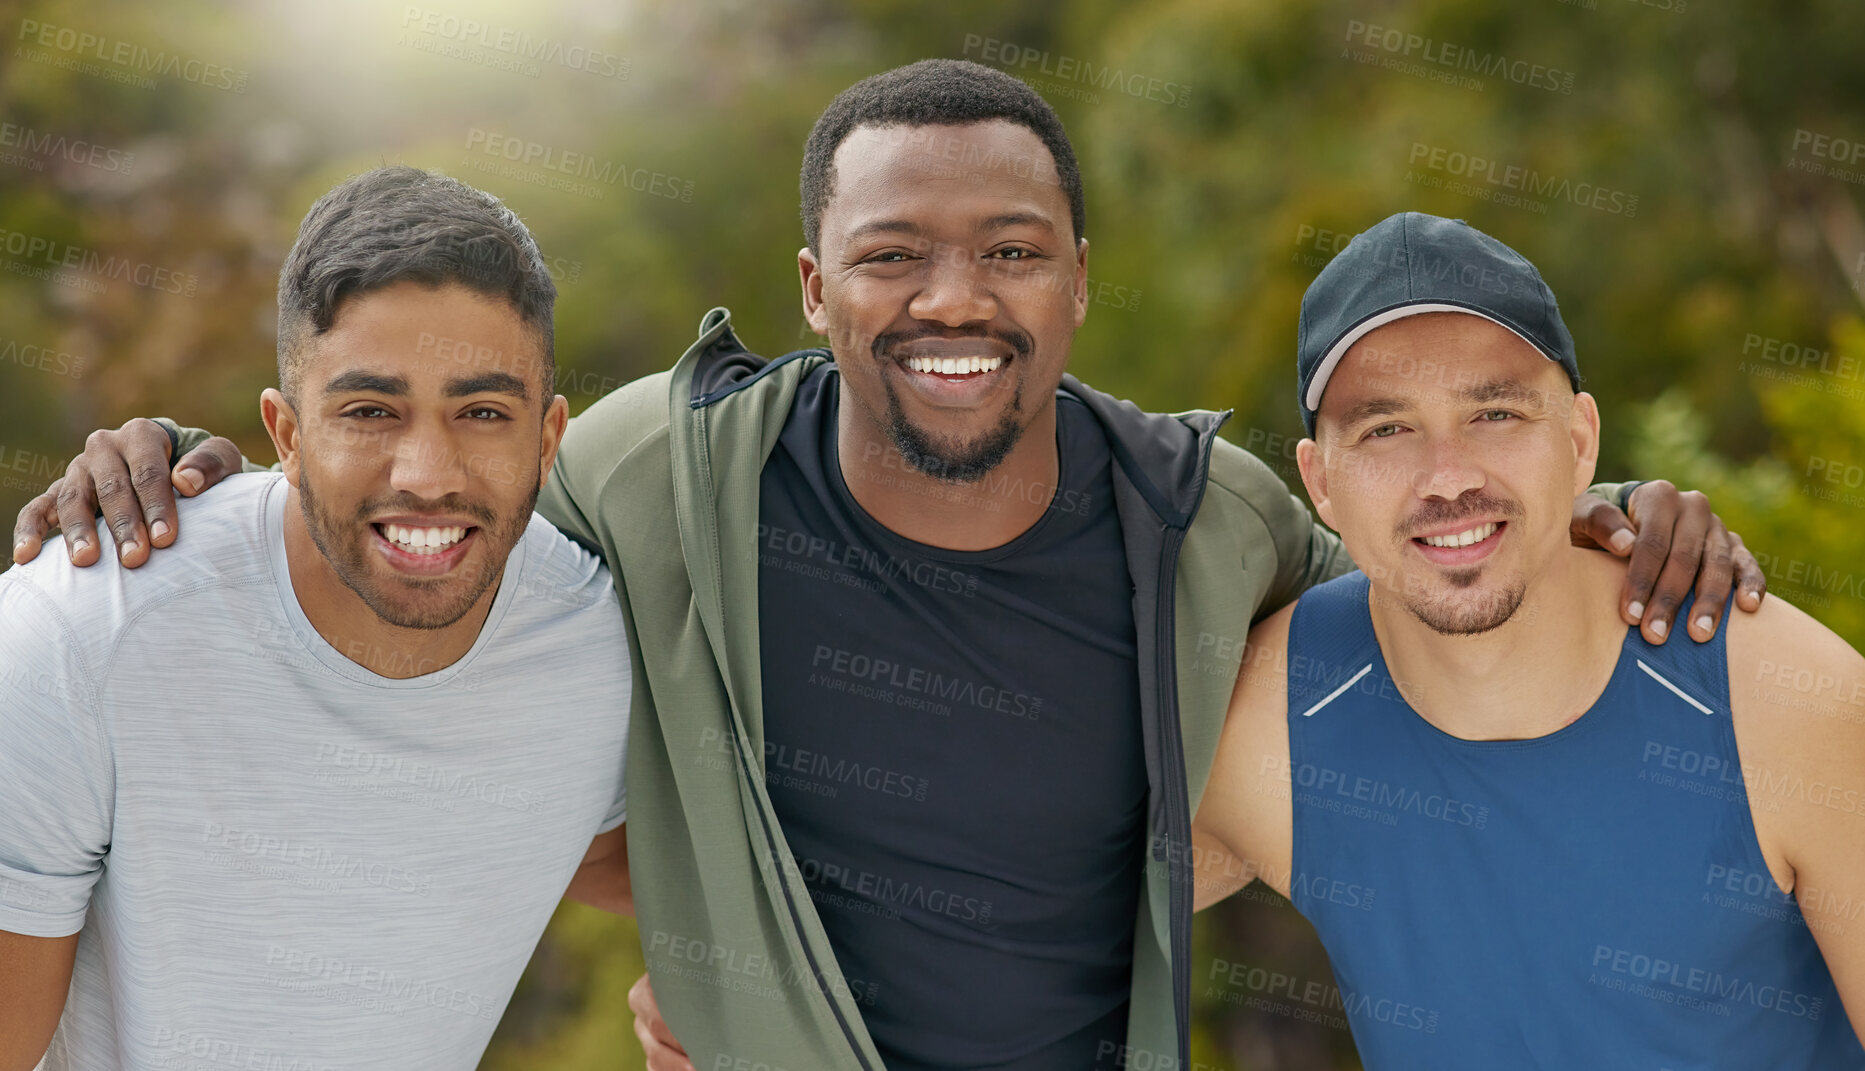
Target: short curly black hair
932,92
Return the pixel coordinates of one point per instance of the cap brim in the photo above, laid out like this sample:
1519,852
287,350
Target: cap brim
1380,319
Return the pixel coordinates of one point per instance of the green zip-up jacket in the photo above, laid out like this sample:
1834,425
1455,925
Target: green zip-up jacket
661,478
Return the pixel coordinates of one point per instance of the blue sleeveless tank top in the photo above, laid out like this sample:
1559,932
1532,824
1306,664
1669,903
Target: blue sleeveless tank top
1594,898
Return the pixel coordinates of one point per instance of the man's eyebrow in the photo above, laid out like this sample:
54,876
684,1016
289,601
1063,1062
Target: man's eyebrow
1373,407
1017,219
1501,390
997,222
885,226
357,381
1493,390
488,383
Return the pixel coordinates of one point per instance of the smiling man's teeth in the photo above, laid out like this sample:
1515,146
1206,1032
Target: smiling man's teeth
422,540
954,366
1464,538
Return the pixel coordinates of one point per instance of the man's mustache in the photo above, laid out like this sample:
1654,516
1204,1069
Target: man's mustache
416,504
887,345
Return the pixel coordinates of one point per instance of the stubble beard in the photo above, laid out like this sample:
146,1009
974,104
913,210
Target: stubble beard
348,558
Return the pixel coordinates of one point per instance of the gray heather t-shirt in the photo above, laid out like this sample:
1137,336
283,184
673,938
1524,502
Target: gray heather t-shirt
277,859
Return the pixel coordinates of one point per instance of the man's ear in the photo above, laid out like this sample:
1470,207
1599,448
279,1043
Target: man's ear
281,422
809,270
1584,426
555,419
1081,281
1315,479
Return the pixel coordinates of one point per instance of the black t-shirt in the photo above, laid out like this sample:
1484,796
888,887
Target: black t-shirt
953,747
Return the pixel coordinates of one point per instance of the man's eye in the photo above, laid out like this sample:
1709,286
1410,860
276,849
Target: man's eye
891,256
1496,416
484,412
1015,253
1384,431
367,412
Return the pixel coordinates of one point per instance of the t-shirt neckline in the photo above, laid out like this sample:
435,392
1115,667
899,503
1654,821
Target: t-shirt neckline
832,462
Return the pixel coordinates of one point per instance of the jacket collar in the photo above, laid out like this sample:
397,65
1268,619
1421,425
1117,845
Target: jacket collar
1164,454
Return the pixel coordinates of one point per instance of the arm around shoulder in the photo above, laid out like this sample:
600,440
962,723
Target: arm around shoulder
595,446
1307,552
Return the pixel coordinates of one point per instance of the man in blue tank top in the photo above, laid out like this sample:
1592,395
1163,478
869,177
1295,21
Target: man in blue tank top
1527,837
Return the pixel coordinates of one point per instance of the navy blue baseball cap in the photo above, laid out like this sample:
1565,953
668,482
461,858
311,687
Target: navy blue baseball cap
1413,263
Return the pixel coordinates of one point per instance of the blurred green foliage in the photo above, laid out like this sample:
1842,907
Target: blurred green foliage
1675,168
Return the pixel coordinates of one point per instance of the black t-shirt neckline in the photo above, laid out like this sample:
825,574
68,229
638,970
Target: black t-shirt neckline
831,452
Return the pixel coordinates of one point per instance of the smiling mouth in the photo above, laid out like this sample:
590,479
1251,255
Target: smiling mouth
953,366
1467,537
421,541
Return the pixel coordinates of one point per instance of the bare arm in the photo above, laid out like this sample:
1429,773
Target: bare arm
602,879
1244,826
1797,696
35,973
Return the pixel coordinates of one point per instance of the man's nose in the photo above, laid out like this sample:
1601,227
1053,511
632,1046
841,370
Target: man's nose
958,290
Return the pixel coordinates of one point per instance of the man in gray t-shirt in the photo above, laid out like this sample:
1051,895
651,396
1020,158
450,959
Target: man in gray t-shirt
338,845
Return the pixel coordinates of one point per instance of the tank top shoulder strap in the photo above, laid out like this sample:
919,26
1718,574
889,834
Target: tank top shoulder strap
1698,672
1331,643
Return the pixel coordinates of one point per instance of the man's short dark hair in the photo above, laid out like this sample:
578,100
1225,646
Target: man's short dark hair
396,224
932,92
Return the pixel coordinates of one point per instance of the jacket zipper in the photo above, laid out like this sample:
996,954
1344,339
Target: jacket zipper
1178,822
1172,750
